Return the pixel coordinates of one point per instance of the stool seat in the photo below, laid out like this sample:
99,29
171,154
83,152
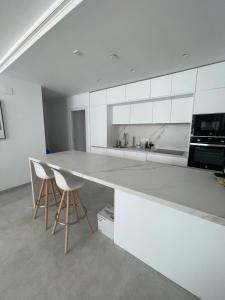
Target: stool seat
67,182
42,171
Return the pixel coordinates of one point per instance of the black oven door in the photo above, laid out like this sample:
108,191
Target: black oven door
207,157
208,125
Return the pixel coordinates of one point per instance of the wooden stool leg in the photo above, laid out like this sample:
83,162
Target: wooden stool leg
46,205
37,204
89,226
53,190
58,212
67,222
57,188
75,208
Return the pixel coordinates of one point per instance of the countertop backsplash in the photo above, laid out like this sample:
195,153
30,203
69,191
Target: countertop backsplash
168,136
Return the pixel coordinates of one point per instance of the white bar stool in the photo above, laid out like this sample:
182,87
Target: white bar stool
70,186
47,177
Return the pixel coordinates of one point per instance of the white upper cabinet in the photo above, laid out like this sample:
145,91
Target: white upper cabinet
161,86
99,125
211,77
210,101
161,111
138,90
116,94
141,113
121,114
181,111
184,82
98,98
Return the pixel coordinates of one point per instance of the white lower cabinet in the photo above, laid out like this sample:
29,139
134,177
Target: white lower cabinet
99,125
115,152
135,155
167,159
141,113
161,111
99,150
182,109
121,114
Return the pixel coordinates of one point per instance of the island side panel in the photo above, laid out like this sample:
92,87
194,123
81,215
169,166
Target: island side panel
35,182
186,249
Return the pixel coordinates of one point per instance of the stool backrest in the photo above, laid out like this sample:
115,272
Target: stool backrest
60,180
40,170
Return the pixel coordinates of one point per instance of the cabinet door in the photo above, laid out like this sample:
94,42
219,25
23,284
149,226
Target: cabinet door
167,159
210,101
138,90
115,152
98,98
135,155
121,114
141,113
211,77
184,82
182,109
161,86
98,150
161,111
116,95
99,126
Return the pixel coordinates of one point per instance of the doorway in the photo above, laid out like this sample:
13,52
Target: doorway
79,130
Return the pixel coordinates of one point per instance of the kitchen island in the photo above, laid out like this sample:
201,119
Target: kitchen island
172,218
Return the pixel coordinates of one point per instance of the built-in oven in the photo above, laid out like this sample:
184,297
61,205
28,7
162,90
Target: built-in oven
208,153
207,125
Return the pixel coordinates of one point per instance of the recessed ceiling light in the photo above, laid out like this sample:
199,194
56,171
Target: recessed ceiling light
77,52
185,55
114,56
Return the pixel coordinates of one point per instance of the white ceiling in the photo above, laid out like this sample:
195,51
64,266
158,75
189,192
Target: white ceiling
16,17
149,36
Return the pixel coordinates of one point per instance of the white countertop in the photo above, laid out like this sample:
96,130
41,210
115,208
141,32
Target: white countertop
193,191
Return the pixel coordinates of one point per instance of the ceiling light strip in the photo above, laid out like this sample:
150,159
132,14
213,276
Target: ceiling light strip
48,20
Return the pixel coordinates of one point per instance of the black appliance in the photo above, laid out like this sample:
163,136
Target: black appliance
207,152
207,125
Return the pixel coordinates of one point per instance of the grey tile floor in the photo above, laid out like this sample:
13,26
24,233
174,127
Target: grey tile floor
33,265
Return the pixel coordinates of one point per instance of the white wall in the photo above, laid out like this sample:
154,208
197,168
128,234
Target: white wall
24,126
76,102
169,136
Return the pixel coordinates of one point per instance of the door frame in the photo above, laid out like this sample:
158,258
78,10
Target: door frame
85,108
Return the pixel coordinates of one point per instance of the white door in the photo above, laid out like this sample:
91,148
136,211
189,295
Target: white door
141,113
182,109
79,130
161,111
99,126
121,114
